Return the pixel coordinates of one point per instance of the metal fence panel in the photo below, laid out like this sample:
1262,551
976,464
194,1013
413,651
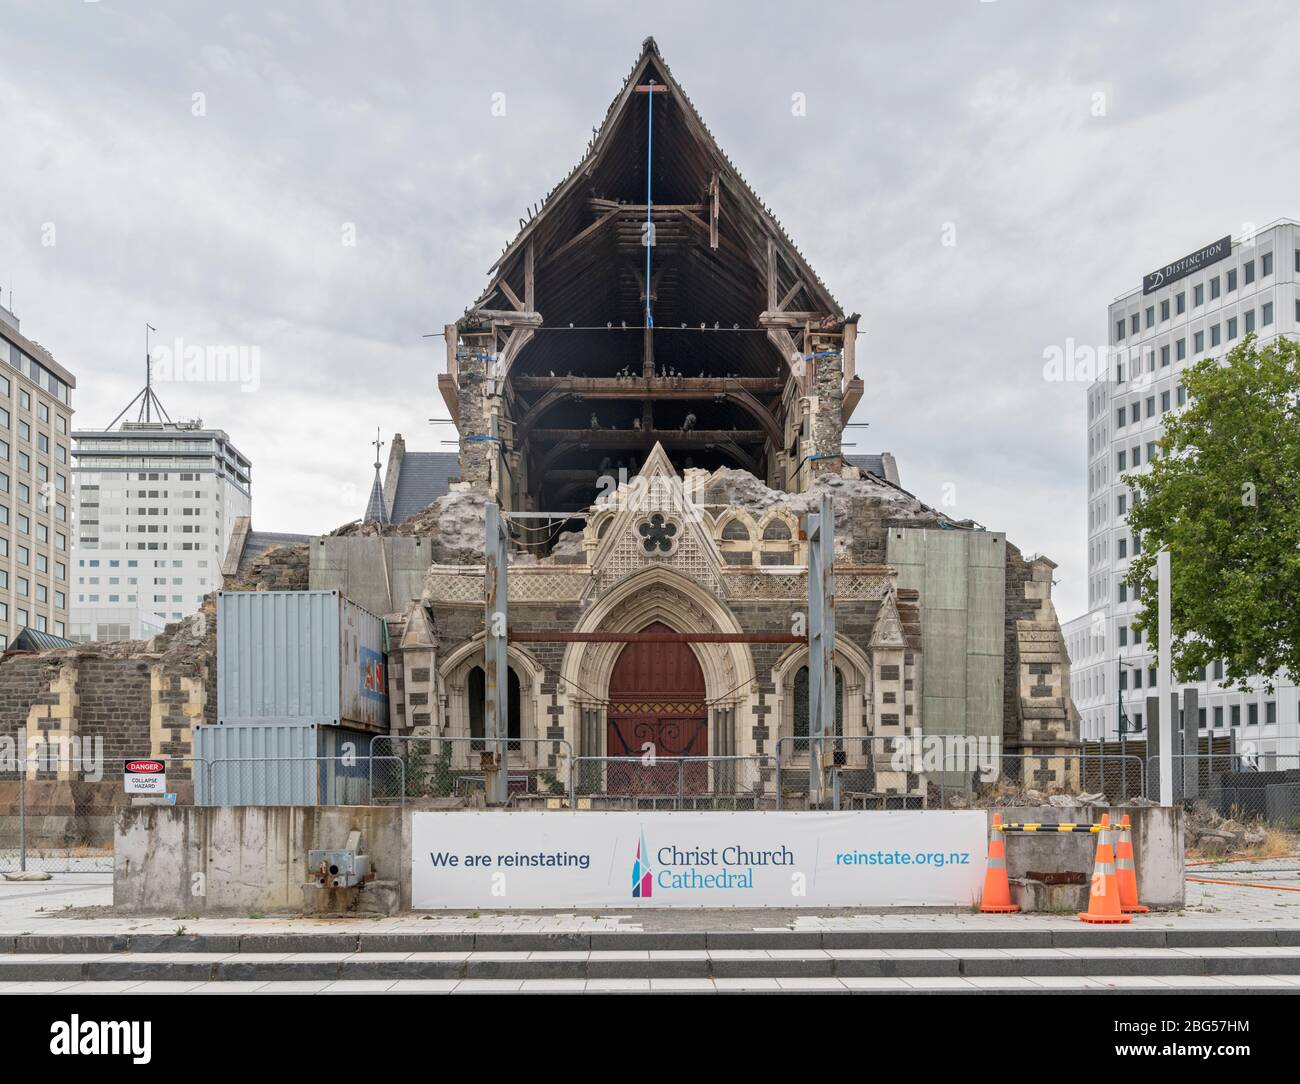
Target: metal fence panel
436,767
57,815
665,783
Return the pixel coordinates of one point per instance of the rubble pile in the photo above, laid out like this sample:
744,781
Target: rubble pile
1211,834
453,524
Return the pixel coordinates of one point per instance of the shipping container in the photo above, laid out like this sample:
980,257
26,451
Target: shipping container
299,657
283,764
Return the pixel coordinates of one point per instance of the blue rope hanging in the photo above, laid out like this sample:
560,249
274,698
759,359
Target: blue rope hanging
649,225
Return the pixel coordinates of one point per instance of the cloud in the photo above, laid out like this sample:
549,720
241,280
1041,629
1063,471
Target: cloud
227,227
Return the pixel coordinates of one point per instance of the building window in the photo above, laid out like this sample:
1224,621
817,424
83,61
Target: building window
1265,264
1214,286
1180,303
1249,270
1182,395
1164,309
1232,328
1151,309
1198,342
1252,715
801,707
1121,551
1214,335
1198,296
1133,324
1119,419
1151,406
1164,402
1266,314
1180,349
1218,717
1120,457
1119,330
1250,321
1135,412
1232,280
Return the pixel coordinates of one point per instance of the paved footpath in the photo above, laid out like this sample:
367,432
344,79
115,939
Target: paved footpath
1226,938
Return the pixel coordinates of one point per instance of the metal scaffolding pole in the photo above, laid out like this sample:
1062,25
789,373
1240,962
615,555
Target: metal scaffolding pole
496,707
821,645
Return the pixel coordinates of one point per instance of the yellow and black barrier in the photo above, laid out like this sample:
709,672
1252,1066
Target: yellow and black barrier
1093,828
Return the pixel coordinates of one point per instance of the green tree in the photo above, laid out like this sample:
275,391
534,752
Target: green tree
1223,497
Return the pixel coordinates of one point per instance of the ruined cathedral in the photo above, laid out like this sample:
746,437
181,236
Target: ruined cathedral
653,387
650,395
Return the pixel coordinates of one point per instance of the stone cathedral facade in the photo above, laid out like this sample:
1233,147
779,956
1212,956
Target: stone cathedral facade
658,381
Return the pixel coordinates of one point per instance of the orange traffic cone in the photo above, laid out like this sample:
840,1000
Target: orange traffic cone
1126,872
997,889
1103,897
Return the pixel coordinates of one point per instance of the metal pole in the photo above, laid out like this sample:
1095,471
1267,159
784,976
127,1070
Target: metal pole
821,642
1164,682
22,809
816,648
496,708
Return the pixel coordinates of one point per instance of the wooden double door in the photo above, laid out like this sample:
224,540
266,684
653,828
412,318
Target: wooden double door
657,711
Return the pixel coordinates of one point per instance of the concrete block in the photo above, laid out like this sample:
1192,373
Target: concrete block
1038,896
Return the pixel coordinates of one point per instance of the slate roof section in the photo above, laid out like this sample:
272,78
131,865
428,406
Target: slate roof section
873,464
422,479
33,640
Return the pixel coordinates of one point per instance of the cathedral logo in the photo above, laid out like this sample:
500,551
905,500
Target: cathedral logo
642,877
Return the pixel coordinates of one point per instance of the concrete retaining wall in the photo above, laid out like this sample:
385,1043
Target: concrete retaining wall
245,859
186,861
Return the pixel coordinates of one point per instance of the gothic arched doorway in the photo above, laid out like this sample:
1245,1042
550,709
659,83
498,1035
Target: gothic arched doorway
657,709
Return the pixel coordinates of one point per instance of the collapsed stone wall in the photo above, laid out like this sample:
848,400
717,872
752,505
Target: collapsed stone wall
132,698
278,568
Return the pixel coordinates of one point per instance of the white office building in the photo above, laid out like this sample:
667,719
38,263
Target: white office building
1197,306
156,504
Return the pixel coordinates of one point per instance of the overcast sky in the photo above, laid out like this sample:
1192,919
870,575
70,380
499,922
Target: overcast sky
199,166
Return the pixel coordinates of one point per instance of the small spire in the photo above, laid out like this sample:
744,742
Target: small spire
376,510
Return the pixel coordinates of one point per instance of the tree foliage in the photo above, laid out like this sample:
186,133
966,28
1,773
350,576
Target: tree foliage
1224,497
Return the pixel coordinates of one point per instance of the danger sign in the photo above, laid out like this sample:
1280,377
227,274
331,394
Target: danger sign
145,776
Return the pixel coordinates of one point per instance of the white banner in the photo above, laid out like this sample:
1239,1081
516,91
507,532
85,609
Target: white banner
490,861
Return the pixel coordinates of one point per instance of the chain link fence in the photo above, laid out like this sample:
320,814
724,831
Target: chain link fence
432,768
948,771
695,783
57,809
1243,811
305,780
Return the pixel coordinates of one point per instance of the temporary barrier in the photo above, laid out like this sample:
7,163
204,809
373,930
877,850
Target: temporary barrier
1103,896
1125,871
686,859
997,888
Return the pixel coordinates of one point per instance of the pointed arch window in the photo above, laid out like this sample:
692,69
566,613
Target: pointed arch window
801,707
476,688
